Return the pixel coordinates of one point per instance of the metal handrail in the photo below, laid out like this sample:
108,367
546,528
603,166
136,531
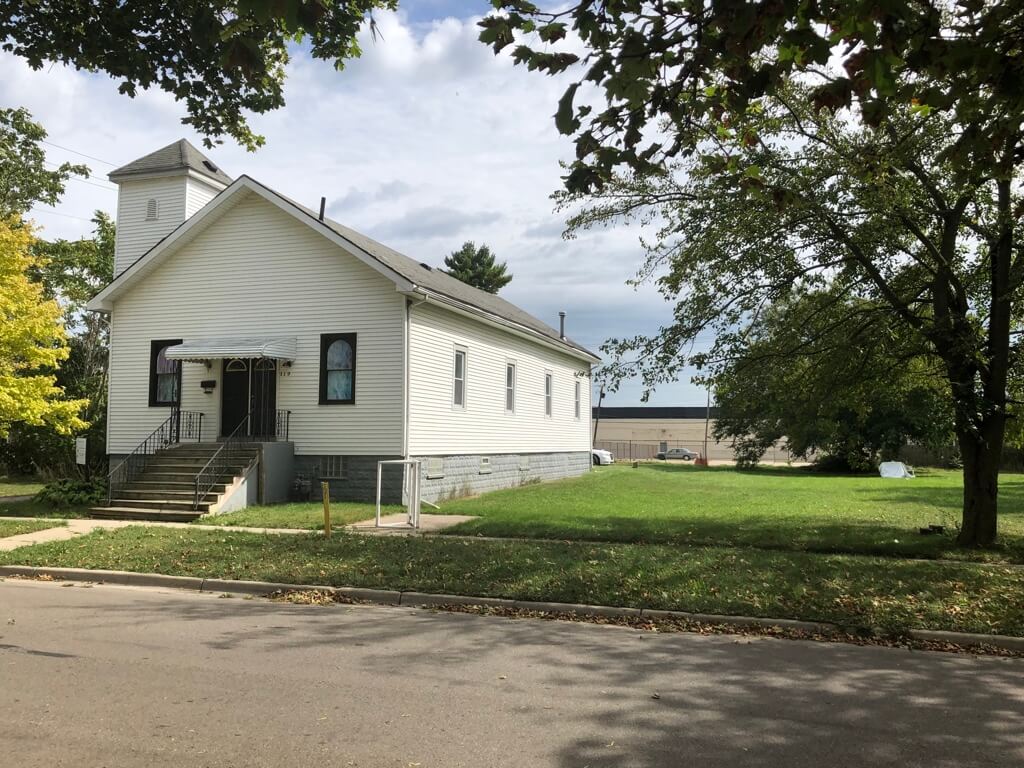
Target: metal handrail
174,427
282,424
217,466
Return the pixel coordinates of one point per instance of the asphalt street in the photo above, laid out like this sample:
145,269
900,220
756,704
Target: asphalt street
125,677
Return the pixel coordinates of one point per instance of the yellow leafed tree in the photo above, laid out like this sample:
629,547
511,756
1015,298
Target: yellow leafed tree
32,341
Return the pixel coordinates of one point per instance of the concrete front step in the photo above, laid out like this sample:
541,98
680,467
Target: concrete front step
136,513
162,478
162,494
153,486
198,462
183,505
235,468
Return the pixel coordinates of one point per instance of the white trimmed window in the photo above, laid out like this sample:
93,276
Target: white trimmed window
510,387
577,400
549,387
459,379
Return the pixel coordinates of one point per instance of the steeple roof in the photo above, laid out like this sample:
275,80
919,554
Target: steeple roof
177,156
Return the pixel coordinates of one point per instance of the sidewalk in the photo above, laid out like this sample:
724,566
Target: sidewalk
79,527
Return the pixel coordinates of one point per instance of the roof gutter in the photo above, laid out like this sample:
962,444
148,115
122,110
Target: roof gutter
468,310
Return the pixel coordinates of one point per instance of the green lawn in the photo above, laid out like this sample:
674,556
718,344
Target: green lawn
768,508
17,527
17,486
306,516
855,591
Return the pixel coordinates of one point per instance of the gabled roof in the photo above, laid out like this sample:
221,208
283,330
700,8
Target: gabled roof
177,156
408,275
432,279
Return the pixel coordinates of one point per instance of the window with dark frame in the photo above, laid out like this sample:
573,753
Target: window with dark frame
164,375
337,368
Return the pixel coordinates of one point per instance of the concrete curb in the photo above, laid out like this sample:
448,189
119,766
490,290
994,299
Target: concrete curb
1005,642
426,600
814,627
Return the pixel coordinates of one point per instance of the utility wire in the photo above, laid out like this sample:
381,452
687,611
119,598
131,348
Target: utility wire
75,151
98,178
62,215
93,184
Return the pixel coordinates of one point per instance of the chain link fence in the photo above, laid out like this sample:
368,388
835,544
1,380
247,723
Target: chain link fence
643,450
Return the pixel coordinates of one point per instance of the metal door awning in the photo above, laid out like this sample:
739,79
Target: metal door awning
201,350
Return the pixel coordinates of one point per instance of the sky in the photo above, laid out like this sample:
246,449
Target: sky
426,141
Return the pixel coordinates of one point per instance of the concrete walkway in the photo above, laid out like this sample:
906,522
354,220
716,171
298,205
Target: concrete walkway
397,524
80,527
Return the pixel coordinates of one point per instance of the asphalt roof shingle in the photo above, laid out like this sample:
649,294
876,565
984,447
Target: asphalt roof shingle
436,280
176,156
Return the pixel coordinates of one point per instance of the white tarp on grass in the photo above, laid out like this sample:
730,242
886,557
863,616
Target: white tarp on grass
894,469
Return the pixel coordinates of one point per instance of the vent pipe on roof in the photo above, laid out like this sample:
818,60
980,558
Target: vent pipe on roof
323,205
561,325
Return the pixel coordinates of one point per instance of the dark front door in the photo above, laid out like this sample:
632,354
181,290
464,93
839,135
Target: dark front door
250,386
234,401
263,396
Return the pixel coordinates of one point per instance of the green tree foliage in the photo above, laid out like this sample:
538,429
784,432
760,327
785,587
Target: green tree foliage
222,58
834,378
24,178
54,358
477,267
688,66
883,215
70,272
32,342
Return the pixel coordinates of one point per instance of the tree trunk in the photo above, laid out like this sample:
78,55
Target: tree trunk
982,455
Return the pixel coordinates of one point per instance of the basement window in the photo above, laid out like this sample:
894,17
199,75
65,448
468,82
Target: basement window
332,468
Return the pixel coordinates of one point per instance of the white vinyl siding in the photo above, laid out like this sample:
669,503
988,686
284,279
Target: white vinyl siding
257,271
199,193
485,427
136,233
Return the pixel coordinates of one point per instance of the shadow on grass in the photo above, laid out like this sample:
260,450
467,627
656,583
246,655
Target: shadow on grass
32,508
1011,497
853,591
757,533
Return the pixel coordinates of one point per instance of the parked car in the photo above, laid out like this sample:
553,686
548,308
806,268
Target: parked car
601,456
678,453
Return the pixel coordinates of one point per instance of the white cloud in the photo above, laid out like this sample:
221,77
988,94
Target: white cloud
425,141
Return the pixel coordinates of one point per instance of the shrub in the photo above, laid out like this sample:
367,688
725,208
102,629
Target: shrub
72,493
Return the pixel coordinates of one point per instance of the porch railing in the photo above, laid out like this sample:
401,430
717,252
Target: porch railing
282,423
221,461
180,425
